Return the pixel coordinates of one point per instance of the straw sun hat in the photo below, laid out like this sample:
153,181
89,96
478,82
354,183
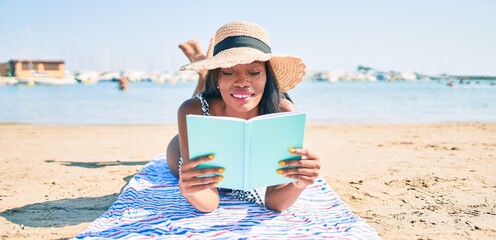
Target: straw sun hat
244,42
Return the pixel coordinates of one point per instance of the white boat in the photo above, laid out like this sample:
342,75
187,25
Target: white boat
7,81
46,81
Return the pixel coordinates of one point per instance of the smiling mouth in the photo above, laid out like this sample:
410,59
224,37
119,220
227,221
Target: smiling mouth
242,96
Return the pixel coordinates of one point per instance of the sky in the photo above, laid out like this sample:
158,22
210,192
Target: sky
430,37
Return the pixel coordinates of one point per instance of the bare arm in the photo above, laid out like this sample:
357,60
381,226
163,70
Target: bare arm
281,197
200,192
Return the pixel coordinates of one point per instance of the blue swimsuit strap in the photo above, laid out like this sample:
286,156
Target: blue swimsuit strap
204,104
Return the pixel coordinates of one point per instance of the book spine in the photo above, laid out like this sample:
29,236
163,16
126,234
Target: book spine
246,159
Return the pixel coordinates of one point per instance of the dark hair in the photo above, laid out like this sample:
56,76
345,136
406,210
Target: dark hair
271,98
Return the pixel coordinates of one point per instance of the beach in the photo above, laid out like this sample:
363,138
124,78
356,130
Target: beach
408,181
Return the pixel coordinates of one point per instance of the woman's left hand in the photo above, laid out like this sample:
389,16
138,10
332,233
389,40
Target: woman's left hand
305,170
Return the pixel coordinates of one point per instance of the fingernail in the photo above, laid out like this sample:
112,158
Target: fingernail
221,170
220,178
282,163
280,171
292,150
211,156
216,183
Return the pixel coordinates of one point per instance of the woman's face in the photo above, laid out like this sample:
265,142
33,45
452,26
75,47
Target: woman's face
242,87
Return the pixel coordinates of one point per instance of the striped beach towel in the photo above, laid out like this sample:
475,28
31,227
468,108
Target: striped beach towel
151,207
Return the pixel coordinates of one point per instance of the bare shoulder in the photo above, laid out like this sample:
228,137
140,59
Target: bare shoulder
190,106
287,105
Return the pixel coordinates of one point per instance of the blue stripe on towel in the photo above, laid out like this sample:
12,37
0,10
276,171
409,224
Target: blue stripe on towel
151,206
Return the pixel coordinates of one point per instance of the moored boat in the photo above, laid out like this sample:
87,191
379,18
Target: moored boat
46,81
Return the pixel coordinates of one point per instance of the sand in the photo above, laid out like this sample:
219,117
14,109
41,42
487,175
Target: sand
408,181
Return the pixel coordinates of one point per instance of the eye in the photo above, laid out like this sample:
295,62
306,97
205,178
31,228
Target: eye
227,73
255,73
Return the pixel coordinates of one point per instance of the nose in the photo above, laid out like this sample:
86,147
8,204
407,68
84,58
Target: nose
242,81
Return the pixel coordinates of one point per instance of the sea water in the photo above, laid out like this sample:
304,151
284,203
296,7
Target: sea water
341,102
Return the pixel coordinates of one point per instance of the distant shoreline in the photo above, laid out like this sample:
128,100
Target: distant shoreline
342,102
475,77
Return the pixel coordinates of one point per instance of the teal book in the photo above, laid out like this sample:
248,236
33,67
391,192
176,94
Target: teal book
248,150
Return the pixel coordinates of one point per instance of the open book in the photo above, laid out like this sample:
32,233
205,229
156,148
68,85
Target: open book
248,150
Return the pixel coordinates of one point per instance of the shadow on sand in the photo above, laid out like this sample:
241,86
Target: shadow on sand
60,213
97,164
63,212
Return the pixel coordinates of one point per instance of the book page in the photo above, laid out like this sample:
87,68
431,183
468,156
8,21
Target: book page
274,115
249,151
222,137
270,140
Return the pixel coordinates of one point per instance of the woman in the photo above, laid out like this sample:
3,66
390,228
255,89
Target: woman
244,80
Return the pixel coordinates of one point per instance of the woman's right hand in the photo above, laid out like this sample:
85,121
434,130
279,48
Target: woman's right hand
190,180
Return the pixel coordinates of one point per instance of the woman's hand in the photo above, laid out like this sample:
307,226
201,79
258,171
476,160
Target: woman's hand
306,170
190,180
